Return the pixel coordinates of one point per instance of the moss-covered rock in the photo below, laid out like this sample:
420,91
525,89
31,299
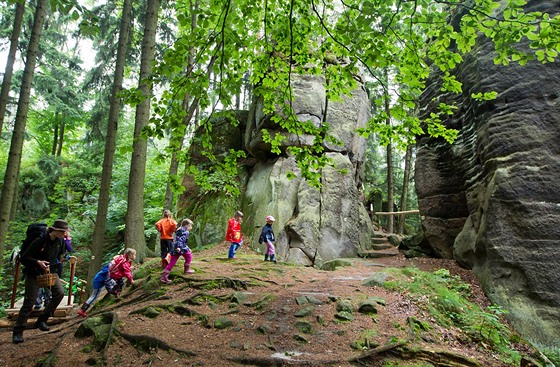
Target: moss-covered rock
332,265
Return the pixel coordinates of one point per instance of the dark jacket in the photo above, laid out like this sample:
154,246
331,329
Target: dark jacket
42,248
180,245
267,234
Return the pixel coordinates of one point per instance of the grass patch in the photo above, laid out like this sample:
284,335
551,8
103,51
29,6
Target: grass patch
446,299
366,341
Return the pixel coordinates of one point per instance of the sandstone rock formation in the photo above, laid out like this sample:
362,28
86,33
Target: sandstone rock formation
312,225
491,199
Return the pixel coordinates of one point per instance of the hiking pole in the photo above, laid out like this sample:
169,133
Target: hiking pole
14,287
72,260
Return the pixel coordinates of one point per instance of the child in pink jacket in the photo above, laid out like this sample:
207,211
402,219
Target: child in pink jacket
111,277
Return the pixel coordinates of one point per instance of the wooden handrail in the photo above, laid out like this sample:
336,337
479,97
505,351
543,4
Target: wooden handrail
72,260
398,213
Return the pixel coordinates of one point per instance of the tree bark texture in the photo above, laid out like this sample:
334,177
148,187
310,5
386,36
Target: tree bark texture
14,156
134,222
390,205
110,144
9,70
406,179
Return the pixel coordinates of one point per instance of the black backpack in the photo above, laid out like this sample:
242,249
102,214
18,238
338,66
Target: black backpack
34,231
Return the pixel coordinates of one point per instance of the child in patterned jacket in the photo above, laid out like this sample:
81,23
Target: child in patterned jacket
179,248
267,236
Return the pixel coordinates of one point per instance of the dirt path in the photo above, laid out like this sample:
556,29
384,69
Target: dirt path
279,314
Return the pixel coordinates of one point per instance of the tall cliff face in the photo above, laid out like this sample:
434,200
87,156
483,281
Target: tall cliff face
491,200
312,225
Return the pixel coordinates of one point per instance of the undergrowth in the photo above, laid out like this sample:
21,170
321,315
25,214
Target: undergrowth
447,299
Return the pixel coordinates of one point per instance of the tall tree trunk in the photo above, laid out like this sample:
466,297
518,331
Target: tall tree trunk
406,179
390,205
55,137
173,169
174,164
9,70
16,146
134,222
61,128
98,242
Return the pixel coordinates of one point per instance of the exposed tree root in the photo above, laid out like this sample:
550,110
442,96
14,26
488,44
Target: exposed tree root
49,361
114,319
148,342
144,343
376,351
279,362
264,280
401,350
212,283
437,358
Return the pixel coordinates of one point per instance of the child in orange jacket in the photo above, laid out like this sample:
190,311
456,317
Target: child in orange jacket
166,226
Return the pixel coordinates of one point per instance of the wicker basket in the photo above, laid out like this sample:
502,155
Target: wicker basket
46,280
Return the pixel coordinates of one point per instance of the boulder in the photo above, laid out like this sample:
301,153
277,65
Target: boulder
312,225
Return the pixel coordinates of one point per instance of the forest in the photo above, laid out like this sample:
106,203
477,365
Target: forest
100,101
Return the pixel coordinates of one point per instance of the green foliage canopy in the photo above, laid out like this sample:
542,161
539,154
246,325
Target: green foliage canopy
274,39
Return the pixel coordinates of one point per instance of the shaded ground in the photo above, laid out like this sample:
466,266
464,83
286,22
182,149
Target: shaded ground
280,315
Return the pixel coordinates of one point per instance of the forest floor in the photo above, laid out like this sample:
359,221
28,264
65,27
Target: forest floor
254,313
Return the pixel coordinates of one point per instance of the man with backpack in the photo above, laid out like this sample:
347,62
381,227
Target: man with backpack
38,257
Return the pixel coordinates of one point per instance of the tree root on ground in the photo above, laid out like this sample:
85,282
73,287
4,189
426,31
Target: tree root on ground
220,282
440,358
146,343
403,351
51,358
114,319
437,358
264,280
279,362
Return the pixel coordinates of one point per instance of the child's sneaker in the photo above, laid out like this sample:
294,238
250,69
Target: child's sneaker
82,313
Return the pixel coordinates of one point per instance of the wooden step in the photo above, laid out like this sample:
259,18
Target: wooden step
62,310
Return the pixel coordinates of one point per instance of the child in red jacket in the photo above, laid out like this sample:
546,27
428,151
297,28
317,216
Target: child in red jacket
233,233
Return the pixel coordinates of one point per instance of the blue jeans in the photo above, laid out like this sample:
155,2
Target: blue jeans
233,248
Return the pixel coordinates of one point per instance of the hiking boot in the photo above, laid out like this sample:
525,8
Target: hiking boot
17,337
82,313
41,325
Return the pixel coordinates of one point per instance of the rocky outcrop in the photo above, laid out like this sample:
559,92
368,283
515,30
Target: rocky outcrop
490,199
312,225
